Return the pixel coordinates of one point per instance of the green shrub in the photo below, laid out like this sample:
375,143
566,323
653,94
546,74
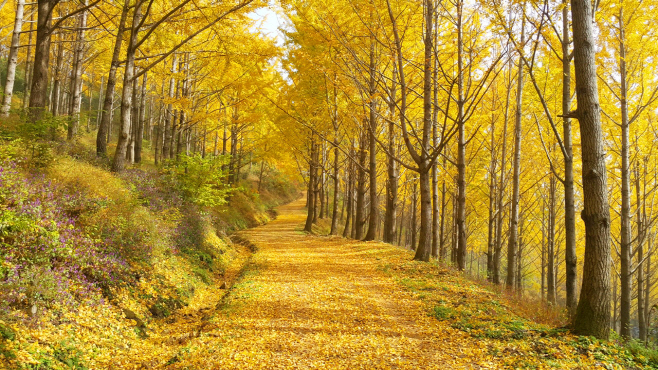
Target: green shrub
203,181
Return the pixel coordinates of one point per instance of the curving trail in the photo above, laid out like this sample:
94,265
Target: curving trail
322,303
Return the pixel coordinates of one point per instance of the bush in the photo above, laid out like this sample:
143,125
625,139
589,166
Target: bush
201,180
45,258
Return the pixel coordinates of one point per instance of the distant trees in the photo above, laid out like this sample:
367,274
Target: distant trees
442,168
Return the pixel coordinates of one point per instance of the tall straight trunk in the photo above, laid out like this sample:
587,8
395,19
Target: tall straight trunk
502,184
424,250
39,76
442,245
491,226
308,226
390,215
141,120
615,301
647,291
12,59
108,103
544,229
373,221
28,69
641,313
413,229
322,182
169,114
57,84
119,162
461,146
361,189
348,200
76,77
435,166
550,238
593,312
571,260
334,211
512,246
134,122
100,103
625,215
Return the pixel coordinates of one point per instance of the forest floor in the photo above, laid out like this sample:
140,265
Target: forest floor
322,302
318,302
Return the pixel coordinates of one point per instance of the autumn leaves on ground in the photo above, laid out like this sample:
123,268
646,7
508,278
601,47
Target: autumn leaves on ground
309,302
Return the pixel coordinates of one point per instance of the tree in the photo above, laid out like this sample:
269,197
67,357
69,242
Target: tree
593,312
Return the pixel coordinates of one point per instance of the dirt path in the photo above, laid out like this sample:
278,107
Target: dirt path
316,303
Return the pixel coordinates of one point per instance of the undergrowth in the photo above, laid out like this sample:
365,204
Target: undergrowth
89,260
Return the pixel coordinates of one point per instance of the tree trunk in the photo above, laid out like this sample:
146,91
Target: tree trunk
571,260
361,189
28,69
461,147
334,213
57,84
390,216
550,238
625,215
76,78
512,247
373,221
39,88
593,312
424,250
106,114
141,121
119,162
348,199
12,59
641,314
308,227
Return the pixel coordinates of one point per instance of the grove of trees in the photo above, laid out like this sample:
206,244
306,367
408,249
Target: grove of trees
446,127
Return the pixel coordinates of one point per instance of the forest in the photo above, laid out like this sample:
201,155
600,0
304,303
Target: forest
490,161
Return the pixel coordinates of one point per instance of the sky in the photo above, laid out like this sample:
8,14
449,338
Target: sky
270,21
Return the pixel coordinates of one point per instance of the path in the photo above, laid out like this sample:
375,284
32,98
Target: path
316,303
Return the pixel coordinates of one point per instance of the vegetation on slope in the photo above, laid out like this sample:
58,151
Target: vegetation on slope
92,262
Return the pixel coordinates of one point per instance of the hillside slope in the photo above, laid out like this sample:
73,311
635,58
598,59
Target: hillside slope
93,265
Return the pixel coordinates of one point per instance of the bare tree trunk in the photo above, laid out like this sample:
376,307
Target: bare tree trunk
435,143
461,146
361,189
76,78
28,69
593,313
641,315
12,59
625,216
550,236
126,97
514,214
169,114
140,121
105,126
571,259
334,214
424,250
373,221
57,84
308,227
39,83
390,216
348,199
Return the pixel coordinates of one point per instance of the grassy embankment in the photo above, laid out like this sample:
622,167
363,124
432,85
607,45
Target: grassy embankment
94,265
